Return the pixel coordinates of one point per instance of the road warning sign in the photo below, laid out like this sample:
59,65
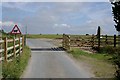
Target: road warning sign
15,30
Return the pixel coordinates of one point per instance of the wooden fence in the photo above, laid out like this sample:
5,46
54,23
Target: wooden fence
66,42
89,41
11,48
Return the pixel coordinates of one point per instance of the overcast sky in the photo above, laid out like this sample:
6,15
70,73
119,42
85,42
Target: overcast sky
58,17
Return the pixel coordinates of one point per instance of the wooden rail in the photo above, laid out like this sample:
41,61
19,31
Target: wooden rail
11,48
89,41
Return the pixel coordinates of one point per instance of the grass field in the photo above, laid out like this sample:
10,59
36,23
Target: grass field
100,64
53,36
15,68
48,36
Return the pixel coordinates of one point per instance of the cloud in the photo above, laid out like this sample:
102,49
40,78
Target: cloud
0,11
55,0
67,17
0,25
23,6
61,26
8,25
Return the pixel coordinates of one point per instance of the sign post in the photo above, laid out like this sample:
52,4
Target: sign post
15,30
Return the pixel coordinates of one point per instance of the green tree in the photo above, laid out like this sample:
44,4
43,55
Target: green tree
116,14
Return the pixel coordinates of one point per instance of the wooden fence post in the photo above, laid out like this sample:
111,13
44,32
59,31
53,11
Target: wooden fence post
68,42
106,39
114,40
99,42
19,45
92,40
22,43
25,39
5,49
63,42
14,49
99,30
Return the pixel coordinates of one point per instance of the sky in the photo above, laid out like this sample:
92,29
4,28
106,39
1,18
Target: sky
57,17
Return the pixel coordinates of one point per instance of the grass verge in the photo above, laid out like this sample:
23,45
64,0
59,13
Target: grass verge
13,70
0,70
100,64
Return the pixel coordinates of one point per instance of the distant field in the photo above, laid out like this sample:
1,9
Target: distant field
48,36
53,36
0,70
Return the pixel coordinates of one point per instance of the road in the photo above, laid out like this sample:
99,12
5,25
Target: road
48,61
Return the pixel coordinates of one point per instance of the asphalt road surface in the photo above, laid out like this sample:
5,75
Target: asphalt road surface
48,61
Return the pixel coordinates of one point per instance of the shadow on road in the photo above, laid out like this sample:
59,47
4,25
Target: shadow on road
48,49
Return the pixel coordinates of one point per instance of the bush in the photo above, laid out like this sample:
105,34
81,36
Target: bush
107,49
116,59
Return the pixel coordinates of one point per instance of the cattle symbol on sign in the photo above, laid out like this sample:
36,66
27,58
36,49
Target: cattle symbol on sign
15,30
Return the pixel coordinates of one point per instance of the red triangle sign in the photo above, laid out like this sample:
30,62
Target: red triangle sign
15,30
